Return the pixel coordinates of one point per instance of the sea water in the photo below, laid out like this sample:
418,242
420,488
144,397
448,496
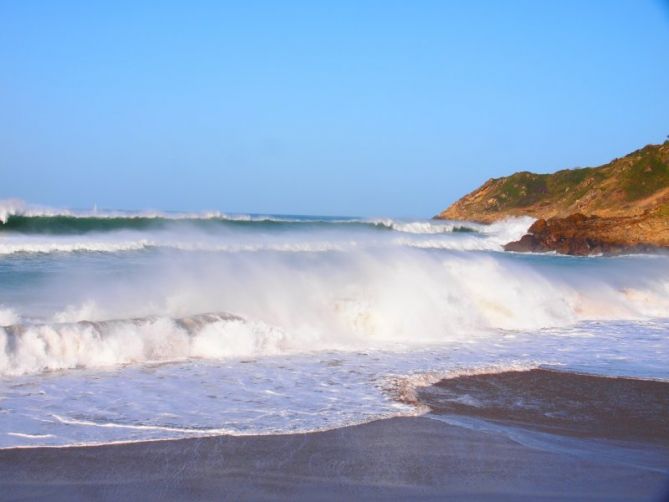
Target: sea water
129,326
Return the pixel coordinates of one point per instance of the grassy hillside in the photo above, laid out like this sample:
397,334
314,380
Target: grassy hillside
627,186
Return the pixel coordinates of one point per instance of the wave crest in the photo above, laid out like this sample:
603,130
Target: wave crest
17,216
33,348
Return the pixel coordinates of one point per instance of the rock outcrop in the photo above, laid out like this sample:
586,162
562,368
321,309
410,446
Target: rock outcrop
585,235
622,206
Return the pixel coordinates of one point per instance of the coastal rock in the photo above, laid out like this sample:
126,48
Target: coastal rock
583,235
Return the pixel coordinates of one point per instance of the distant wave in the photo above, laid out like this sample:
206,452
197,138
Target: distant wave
21,211
124,245
16,216
80,224
424,227
492,240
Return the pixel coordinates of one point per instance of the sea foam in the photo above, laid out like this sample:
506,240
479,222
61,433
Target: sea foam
273,304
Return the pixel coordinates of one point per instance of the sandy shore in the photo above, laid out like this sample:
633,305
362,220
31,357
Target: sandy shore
398,458
569,404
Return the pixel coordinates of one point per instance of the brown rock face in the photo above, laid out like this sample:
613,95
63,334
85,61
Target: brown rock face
585,235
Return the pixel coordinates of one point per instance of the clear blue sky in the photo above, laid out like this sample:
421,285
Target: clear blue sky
339,107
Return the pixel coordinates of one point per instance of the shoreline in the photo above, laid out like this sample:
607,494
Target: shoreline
390,458
531,434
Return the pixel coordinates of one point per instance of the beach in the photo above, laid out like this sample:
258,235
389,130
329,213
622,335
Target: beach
592,451
389,459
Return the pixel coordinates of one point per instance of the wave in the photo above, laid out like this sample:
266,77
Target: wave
292,304
425,227
87,223
34,348
81,224
31,234
99,245
21,212
16,216
112,425
107,246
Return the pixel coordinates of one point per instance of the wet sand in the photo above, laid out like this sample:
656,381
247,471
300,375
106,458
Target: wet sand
565,403
397,458
518,435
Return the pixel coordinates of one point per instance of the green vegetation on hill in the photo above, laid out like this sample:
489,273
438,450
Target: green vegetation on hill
647,174
628,185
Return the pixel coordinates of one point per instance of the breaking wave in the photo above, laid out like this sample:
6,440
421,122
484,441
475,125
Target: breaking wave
16,216
121,245
309,323
29,230
285,304
33,348
125,243
293,284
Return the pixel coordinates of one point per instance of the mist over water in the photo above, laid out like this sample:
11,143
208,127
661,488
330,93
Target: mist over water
127,326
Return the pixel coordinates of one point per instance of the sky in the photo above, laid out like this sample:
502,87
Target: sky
364,107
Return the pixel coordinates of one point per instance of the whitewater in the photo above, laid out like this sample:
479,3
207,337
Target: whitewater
130,326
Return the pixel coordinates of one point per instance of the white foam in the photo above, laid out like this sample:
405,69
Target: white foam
111,425
348,301
424,226
8,316
37,348
30,436
99,246
10,207
404,387
33,245
299,393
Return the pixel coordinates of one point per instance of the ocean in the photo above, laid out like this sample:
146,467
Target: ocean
120,326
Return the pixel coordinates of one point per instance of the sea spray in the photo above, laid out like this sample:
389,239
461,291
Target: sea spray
288,304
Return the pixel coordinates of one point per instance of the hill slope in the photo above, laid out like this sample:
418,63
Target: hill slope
628,186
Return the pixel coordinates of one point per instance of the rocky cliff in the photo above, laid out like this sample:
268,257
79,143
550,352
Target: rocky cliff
618,207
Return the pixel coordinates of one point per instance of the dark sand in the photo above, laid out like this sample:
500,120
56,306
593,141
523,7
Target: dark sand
572,404
398,458
519,435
